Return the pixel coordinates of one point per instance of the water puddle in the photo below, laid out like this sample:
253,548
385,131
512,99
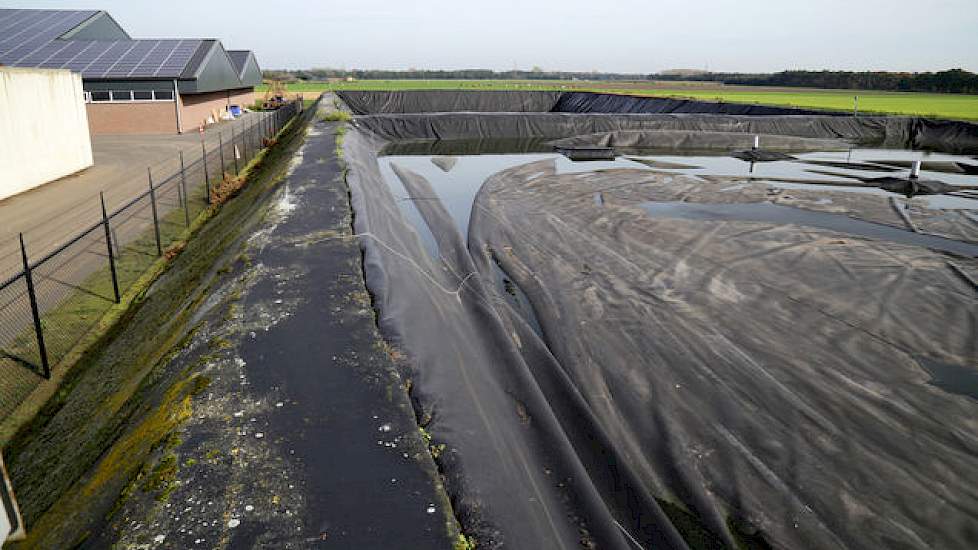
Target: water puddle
951,378
458,176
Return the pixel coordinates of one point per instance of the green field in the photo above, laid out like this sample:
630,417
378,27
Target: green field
950,106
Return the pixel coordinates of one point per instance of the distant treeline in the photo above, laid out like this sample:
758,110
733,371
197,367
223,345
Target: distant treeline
465,74
951,81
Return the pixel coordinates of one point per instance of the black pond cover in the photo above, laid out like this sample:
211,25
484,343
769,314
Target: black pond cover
675,382
908,132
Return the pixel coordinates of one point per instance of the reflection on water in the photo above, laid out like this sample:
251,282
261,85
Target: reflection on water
951,378
457,182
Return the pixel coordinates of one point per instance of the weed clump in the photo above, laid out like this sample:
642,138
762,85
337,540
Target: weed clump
228,188
464,543
337,116
174,250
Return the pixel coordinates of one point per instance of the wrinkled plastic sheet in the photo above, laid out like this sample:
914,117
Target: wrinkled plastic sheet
881,131
756,374
603,377
587,102
675,114
428,101
684,140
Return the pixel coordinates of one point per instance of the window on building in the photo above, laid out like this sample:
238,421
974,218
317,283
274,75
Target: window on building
121,95
100,95
142,95
164,95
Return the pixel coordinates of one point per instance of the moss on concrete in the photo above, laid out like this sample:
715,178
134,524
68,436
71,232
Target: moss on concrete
106,416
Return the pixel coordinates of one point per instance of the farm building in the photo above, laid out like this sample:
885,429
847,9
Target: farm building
131,86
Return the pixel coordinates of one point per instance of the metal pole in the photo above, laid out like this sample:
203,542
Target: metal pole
34,310
115,242
220,140
207,177
183,186
855,106
108,241
156,219
234,150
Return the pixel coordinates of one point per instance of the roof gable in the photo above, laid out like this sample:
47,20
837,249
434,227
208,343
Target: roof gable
211,71
101,26
246,64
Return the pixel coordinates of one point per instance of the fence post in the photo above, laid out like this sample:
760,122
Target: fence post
207,177
34,310
183,186
156,219
108,242
220,141
234,151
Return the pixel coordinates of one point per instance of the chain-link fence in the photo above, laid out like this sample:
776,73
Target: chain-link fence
49,303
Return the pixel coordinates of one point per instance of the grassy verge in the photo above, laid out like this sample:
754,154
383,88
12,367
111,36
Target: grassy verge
119,401
88,312
950,106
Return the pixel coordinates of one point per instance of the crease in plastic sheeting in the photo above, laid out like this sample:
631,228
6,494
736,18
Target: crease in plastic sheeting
476,347
514,476
754,384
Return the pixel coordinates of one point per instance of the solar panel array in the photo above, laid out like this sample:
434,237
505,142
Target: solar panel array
28,38
23,31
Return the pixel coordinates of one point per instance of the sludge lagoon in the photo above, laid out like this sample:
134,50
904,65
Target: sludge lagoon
701,353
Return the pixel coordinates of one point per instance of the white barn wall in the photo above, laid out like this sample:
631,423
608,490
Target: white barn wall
43,128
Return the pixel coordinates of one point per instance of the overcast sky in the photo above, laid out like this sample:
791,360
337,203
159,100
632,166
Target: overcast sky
610,35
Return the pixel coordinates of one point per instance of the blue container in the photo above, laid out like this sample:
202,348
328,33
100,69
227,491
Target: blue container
236,110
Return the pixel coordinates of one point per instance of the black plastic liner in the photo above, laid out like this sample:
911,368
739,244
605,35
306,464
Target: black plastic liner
890,132
430,101
662,140
673,382
587,102
908,132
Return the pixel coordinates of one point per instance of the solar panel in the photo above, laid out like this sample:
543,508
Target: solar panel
27,31
178,59
30,38
128,61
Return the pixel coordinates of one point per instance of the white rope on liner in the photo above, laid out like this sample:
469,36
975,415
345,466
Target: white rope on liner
457,292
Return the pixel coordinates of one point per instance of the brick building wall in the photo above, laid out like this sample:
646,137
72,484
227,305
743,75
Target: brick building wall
151,117
160,117
196,108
